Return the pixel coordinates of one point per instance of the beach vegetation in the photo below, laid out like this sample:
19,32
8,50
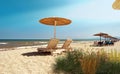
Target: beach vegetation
69,64
85,62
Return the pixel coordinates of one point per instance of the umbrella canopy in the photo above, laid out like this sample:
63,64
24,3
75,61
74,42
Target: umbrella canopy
111,37
100,34
55,21
116,4
107,36
114,38
59,21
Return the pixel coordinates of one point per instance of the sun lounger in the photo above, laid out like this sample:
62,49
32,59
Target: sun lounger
52,44
65,47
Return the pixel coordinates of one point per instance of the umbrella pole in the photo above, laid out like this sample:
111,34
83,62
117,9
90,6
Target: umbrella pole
55,29
100,38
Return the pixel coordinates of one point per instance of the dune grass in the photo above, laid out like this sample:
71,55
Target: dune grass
84,62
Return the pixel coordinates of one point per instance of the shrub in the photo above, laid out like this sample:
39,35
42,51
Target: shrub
69,64
81,62
89,63
111,65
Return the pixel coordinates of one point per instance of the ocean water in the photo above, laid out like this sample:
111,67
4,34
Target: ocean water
9,43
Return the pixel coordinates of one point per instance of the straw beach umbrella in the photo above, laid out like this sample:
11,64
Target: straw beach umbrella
110,37
55,21
100,34
114,38
116,4
107,36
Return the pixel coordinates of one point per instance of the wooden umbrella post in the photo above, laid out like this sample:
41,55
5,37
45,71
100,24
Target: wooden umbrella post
55,29
100,38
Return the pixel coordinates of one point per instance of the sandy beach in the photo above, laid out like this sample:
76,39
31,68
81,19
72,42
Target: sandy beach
26,60
27,26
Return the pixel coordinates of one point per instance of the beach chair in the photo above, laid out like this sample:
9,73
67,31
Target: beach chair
65,47
52,44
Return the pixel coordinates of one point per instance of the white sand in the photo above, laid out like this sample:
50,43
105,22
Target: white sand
13,62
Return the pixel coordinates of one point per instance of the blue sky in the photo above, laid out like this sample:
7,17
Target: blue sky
19,18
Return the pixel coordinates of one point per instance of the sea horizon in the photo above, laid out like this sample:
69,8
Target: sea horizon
76,39
9,43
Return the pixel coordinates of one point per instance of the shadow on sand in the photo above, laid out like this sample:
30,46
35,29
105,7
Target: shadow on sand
36,54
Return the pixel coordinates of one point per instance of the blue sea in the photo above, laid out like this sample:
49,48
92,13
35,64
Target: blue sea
9,43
